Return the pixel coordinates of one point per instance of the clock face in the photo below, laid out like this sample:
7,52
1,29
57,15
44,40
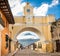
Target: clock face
28,10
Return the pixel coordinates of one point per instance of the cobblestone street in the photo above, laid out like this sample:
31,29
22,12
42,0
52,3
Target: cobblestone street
29,27
28,52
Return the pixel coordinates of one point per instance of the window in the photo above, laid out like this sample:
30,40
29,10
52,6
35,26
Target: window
28,10
6,45
7,41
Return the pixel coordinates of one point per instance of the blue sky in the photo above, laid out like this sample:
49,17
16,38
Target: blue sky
41,7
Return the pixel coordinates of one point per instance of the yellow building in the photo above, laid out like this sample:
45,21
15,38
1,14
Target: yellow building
38,24
6,18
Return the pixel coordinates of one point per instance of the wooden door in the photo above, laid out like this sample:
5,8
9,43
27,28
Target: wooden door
58,45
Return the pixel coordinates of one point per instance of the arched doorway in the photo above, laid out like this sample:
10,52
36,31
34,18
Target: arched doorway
32,33
33,30
27,38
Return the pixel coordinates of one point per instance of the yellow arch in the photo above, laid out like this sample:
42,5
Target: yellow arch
33,30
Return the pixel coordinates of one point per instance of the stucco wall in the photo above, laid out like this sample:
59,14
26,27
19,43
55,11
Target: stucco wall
5,31
44,29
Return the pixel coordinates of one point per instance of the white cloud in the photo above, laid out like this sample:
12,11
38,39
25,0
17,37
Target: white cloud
54,2
41,11
16,7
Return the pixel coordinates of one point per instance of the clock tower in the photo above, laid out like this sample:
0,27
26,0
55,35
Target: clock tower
28,13
28,10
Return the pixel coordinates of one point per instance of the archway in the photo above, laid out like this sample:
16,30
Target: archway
30,31
33,30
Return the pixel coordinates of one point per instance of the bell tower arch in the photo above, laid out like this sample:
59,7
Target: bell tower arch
28,13
28,10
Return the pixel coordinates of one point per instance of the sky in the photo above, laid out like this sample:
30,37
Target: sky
27,38
41,7
29,35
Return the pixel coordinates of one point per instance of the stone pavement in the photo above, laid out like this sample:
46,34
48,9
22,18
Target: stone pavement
29,52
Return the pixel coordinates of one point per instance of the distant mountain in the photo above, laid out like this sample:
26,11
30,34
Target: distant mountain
28,34
27,42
